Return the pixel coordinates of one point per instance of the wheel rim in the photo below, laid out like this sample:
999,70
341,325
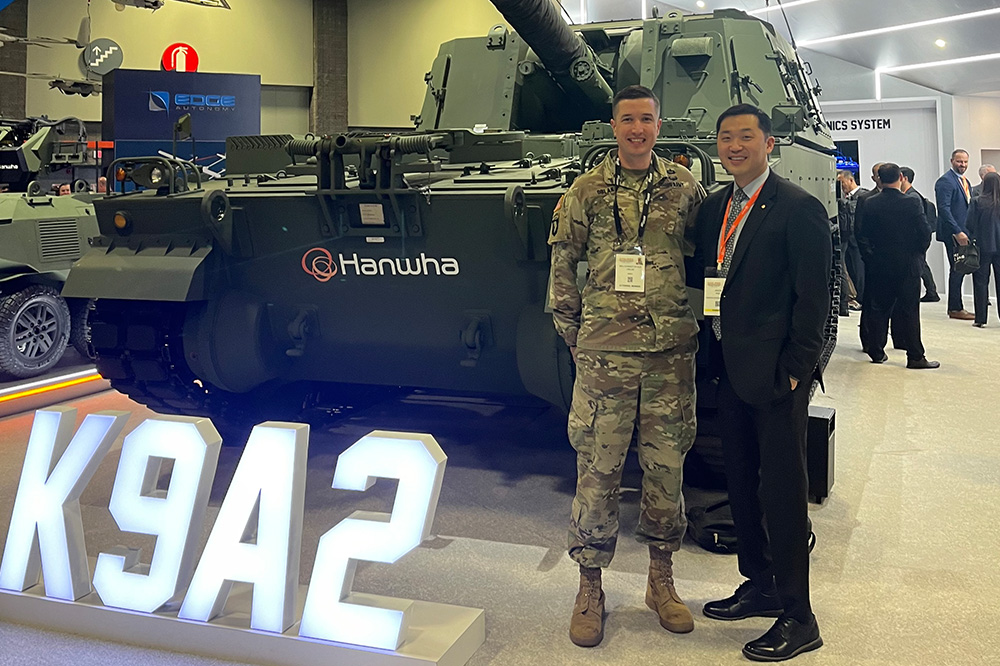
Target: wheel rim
36,330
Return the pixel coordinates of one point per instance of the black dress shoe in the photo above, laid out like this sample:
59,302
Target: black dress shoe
930,298
922,364
785,639
747,601
879,359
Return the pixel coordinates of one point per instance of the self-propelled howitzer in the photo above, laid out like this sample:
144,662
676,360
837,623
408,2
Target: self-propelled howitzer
415,260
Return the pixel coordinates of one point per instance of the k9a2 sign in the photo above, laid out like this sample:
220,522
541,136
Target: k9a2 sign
256,537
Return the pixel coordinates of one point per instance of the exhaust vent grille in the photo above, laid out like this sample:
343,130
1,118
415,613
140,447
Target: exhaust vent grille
59,240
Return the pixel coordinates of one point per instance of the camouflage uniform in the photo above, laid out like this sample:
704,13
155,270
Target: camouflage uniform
635,352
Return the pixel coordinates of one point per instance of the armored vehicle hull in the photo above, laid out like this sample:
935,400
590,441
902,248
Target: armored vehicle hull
40,238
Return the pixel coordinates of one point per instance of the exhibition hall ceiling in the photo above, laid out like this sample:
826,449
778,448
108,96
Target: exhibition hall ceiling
922,36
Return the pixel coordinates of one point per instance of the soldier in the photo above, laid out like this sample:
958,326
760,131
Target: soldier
633,336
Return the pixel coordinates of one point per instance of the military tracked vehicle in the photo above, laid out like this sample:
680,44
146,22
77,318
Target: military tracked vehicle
41,235
420,259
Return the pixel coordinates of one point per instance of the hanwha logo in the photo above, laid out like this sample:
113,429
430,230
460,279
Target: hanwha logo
319,263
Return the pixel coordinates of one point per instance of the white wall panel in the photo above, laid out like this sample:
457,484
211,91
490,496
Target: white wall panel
910,139
393,43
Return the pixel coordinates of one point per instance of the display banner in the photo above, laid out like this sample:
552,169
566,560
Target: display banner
141,105
256,537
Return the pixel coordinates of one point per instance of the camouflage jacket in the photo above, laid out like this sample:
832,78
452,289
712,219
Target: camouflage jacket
583,229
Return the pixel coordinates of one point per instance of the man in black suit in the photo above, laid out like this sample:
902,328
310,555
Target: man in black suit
953,195
859,220
906,187
895,238
847,207
766,247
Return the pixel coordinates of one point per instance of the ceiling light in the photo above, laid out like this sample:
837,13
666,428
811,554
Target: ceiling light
701,4
896,28
784,5
927,65
940,43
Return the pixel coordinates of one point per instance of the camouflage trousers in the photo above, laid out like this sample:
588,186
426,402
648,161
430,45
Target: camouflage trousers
617,393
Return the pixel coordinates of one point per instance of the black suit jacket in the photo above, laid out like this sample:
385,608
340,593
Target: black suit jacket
983,223
777,295
896,234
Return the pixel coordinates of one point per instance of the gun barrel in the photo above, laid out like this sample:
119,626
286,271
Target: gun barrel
563,52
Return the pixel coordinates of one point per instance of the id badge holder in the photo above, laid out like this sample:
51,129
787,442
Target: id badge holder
713,292
630,271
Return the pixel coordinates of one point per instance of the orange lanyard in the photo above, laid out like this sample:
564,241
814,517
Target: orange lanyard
723,241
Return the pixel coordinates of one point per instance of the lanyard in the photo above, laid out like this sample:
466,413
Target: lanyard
645,204
736,223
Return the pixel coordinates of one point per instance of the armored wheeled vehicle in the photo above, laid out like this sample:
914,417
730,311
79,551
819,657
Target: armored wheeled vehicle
419,259
41,235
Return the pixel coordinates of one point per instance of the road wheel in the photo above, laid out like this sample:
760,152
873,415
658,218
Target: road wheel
34,330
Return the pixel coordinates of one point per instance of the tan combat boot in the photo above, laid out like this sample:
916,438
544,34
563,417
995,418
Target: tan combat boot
661,595
586,628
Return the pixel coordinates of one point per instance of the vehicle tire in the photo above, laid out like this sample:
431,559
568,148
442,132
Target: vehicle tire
79,331
34,331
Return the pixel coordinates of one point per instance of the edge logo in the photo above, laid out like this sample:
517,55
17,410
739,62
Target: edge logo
159,101
319,263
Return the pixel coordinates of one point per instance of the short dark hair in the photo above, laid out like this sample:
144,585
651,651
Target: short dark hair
888,173
634,92
763,120
846,173
957,151
908,173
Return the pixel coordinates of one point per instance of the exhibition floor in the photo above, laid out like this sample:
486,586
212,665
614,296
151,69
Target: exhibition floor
904,571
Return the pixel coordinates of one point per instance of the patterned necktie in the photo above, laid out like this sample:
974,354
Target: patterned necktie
735,208
965,188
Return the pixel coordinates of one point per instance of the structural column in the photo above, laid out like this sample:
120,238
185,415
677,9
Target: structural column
328,112
14,58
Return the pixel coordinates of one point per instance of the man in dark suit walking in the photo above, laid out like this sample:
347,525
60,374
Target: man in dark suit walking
953,194
895,236
766,247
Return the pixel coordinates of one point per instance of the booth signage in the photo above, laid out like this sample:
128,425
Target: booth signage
179,57
143,106
861,124
256,537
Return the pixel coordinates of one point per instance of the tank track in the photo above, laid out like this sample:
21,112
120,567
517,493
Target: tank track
138,349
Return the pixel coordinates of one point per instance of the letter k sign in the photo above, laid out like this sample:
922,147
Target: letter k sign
46,529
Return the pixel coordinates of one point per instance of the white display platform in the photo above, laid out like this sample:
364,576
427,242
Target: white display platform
439,634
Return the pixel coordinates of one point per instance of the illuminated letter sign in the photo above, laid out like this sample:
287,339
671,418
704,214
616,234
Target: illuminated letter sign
173,516
265,500
331,612
57,467
257,534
